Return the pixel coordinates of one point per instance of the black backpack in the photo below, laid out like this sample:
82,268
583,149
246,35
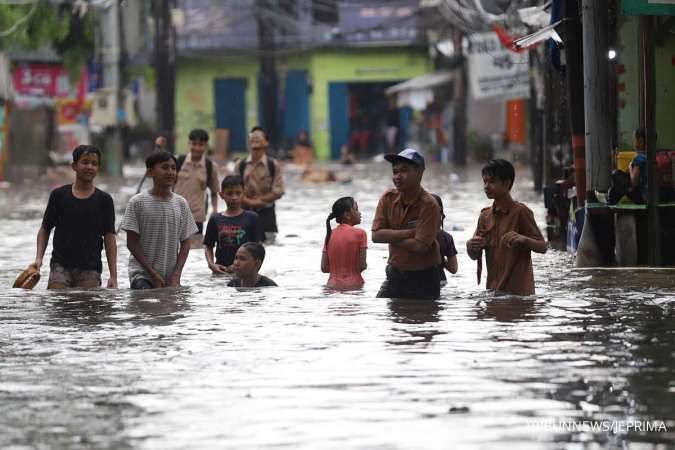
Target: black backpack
209,167
271,166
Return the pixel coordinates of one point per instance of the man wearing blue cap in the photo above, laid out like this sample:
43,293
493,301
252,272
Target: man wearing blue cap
407,218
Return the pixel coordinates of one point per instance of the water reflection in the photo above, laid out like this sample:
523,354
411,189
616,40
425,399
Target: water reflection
208,366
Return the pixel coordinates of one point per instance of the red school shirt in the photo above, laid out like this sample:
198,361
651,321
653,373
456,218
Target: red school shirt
344,256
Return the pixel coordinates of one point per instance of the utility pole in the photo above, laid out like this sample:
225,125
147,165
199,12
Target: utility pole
597,112
460,99
165,69
268,75
648,87
111,48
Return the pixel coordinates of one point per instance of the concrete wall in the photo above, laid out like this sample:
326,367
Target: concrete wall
195,97
195,77
629,98
356,65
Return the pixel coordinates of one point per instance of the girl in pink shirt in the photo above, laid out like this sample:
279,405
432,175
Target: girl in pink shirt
344,250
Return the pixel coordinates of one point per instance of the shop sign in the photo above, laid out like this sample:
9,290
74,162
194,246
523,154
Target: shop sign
43,80
495,71
649,7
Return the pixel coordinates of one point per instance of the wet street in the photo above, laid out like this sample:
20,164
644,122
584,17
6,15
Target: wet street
207,367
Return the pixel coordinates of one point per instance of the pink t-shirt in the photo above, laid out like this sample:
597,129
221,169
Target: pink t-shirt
344,256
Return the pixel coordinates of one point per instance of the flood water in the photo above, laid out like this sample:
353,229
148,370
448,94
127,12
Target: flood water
207,366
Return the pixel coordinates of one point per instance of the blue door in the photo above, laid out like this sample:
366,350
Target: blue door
296,104
230,99
338,104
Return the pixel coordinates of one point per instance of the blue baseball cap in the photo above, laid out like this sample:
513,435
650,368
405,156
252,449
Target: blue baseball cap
408,155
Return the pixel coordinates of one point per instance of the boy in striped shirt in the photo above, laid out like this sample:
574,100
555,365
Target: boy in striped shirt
158,225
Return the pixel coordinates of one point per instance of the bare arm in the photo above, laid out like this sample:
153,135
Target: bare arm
362,255
134,246
210,260
42,240
634,175
451,264
174,280
389,236
324,263
110,242
412,245
214,202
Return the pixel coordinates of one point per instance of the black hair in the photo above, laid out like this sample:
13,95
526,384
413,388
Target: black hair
199,135
440,205
501,169
255,249
261,129
640,133
158,158
340,207
231,181
81,150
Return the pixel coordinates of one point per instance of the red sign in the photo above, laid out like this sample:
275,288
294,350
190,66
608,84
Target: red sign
49,80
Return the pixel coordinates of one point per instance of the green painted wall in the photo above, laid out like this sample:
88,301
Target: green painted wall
195,76
629,113
195,97
356,65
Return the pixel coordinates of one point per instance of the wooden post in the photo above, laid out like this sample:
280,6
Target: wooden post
597,114
460,99
648,89
165,70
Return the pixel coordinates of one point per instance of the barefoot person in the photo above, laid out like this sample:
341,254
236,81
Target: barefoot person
83,219
408,219
507,232
158,225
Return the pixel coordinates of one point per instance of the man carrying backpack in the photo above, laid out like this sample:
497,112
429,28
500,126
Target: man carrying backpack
263,183
195,172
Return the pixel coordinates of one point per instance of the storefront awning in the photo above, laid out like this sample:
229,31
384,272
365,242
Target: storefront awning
419,91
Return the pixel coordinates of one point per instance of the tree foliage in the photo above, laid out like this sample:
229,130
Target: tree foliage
44,24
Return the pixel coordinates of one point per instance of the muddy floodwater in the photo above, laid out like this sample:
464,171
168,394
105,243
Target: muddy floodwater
206,366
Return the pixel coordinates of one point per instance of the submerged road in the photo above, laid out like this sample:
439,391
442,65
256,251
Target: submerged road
206,366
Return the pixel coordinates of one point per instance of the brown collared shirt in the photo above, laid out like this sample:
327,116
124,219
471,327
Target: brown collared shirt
191,183
257,179
508,269
423,215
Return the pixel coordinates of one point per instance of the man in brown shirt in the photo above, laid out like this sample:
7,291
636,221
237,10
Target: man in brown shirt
263,182
507,232
408,218
194,176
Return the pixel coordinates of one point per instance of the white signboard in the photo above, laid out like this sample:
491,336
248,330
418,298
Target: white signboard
495,71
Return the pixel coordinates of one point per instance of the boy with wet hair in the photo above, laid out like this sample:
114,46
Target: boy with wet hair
196,173
158,225
83,219
247,263
507,232
230,229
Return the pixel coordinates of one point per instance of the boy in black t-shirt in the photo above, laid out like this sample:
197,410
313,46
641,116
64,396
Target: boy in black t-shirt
83,218
229,230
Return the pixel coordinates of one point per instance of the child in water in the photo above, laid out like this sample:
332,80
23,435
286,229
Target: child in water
446,245
247,262
344,250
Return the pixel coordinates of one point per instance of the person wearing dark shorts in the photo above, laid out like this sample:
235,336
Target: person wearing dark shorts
83,219
408,218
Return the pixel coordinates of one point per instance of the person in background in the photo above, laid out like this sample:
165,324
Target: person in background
230,229
263,181
507,232
446,246
407,218
344,250
196,172
83,219
158,225
247,263
638,168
